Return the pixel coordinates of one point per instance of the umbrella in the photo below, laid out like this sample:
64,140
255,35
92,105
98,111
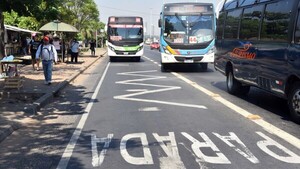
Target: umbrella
58,27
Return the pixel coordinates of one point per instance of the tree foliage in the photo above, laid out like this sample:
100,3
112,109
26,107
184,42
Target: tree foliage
32,14
26,22
83,14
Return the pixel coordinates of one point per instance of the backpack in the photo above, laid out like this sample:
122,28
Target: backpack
42,45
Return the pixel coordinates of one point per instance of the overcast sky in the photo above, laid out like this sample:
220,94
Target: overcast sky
143,8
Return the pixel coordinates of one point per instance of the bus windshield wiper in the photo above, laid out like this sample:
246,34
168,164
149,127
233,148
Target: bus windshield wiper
183,24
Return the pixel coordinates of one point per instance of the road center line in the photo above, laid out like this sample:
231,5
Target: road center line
264,124
63,163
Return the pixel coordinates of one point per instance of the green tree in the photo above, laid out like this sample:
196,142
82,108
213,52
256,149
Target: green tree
83,14
42,10
14,19
11,18
32,14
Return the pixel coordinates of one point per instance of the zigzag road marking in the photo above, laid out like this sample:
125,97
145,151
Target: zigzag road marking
147,77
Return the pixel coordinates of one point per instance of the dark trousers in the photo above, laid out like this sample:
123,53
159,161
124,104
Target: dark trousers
93,51
74,56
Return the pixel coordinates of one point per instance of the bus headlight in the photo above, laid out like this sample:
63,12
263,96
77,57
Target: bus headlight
212,50
111,48
166,50
140,48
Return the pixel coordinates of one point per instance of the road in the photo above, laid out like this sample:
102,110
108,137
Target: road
130,115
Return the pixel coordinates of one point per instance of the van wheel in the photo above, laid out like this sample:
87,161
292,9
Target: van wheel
235,87
294,102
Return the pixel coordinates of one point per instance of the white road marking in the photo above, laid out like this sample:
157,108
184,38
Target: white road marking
63,163
161,88
172,158
265,125
268,142
97,159
244,152
169,145
218,158
146,159
150,109
136,90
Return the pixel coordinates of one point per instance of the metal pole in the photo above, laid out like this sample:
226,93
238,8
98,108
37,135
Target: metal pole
96,38
150,24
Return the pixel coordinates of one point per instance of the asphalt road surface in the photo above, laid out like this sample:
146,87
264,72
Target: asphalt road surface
131,115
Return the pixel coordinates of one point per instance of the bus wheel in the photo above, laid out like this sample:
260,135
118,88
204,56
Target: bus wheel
294,102
203,66
235,87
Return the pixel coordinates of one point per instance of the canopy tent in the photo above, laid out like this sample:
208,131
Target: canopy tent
58,26
16,29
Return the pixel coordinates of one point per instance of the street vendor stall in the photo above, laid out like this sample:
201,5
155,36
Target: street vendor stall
9,71
12,38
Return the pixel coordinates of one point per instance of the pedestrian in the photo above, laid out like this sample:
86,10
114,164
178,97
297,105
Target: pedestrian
57,45
92,47
33,46
74,50
47,53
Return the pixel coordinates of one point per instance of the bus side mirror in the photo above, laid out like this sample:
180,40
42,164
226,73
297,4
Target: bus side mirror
159,23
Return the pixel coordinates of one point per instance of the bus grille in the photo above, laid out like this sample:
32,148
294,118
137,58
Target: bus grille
125,53
181,58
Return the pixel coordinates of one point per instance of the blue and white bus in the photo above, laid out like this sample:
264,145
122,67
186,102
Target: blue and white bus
125,37
187,34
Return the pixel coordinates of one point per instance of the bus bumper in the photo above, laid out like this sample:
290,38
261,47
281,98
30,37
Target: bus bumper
111,53
169,58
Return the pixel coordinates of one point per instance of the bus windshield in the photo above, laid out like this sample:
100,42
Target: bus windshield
189,29
126,32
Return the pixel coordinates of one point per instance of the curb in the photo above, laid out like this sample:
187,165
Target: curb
8,130
48,97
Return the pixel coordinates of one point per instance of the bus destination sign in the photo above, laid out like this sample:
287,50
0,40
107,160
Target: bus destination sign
188,8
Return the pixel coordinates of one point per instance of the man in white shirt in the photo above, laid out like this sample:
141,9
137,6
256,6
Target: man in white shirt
47,53
75,50
57,45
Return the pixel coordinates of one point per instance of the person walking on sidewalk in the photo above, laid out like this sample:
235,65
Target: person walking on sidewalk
33,46
75,50
47,53
92,47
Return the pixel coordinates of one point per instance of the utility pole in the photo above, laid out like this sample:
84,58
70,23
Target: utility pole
150,25
96,38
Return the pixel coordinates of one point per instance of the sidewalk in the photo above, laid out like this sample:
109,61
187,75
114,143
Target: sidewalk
35,94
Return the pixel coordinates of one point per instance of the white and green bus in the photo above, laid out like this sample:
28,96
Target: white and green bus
125,37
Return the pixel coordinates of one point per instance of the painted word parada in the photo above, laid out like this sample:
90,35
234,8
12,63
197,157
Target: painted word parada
169,145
